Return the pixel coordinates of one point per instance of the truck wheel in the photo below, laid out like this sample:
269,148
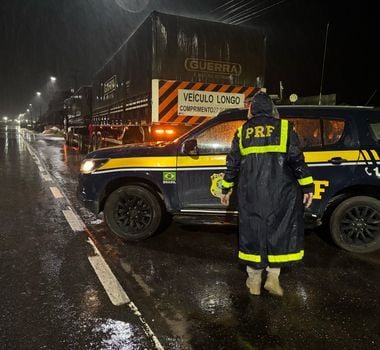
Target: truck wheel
93,144
133,213
69,140
355,224
81,144
98,141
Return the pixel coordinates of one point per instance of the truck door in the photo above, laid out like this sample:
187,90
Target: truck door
199,175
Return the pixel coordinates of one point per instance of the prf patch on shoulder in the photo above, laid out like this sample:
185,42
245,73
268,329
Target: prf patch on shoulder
216,184
169,177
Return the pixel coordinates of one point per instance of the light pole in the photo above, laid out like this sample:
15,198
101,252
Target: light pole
38,94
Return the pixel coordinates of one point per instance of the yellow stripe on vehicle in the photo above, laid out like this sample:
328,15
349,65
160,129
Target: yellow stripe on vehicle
326,156
165,162
249,257
366,155
209,160
286,257
140,162
374,153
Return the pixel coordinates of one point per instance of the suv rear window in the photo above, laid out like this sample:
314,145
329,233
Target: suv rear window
317,132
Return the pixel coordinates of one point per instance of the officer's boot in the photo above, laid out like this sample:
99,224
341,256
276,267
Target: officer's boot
272,283
254,280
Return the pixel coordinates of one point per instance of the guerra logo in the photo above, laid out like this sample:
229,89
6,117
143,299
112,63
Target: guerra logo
206,66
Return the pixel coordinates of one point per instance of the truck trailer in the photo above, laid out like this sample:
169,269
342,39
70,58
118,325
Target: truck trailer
171,74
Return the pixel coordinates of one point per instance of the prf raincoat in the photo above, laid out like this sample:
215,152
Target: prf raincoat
266,162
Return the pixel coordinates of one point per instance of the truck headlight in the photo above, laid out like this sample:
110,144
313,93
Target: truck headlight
90,165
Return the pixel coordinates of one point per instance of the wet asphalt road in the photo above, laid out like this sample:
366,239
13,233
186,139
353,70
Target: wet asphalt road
186,281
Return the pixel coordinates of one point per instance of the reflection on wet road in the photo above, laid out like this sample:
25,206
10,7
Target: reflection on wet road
186,281
50,296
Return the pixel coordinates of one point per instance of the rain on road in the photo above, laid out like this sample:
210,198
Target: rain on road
186,288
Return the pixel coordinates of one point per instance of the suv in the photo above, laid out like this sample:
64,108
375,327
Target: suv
136,185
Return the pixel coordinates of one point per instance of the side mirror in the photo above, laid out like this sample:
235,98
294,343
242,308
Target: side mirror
190,147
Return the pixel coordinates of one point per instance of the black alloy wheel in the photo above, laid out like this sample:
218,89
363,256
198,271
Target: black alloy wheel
133,212
355,224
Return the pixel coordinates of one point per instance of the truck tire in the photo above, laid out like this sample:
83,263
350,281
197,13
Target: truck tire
355,224
99,141
93,143
133,213
69,139
82,144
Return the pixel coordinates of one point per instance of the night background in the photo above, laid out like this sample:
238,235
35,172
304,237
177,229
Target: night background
72,39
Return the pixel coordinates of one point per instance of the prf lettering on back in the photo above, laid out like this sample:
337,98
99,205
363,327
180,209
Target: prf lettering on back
259,131
319,187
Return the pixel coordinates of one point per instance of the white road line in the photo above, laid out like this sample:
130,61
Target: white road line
56,192
46,177
115,291
110,283
106,277
148,331
74,221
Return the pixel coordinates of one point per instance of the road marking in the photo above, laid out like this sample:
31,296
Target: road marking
106,277
110,283
56,192
40,166
46,177
115,291
74,221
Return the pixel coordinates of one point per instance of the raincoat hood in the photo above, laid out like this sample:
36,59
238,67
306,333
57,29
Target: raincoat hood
262,105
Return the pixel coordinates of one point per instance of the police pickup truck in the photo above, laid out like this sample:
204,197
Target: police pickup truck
137,185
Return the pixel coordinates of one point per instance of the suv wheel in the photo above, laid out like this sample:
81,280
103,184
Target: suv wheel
355,224
133,213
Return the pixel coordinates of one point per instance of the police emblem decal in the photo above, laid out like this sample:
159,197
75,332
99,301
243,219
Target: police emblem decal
216,184
169,177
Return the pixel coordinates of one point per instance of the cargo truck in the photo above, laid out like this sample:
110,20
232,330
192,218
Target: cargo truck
171,74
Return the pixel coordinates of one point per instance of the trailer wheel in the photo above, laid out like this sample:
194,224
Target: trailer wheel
98,141
355,224
67,135
70,139
133,213
81,144
93,143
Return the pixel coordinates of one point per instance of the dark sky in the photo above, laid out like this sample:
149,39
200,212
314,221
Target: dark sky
71,39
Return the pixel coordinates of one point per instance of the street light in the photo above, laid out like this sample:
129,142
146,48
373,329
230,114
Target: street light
38,93
53,79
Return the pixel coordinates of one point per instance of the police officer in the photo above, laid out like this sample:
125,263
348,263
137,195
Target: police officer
273,184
